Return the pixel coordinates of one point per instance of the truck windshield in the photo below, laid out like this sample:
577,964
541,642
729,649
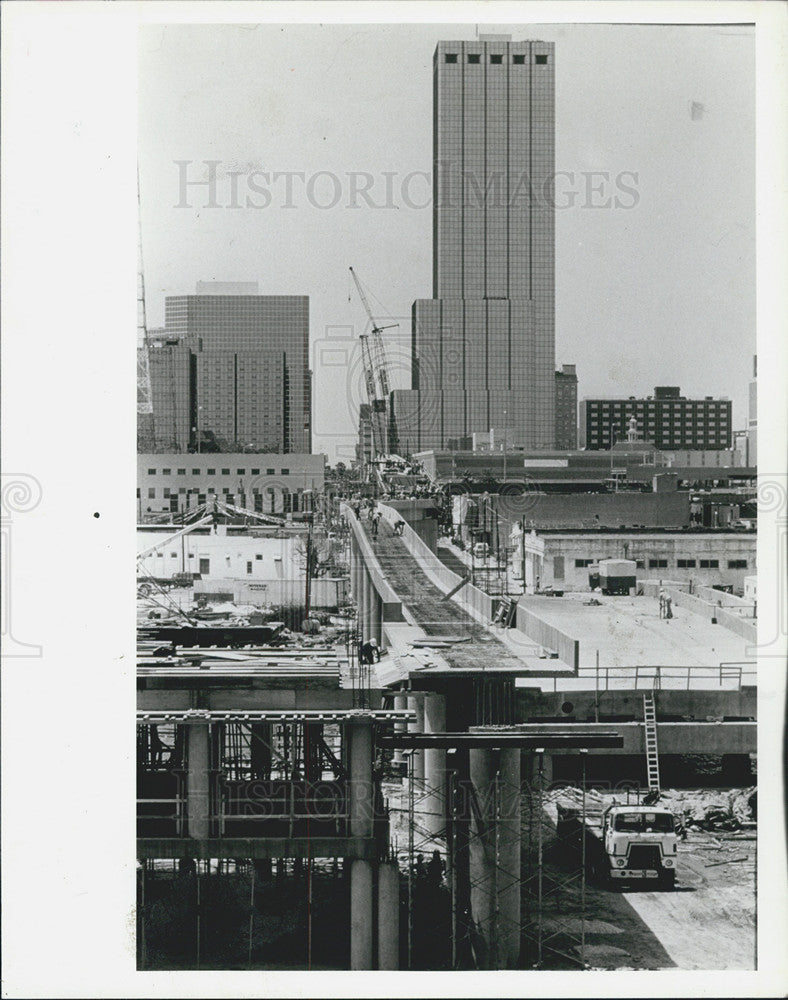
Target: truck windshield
644,823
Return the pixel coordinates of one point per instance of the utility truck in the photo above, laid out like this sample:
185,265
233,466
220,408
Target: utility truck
637,841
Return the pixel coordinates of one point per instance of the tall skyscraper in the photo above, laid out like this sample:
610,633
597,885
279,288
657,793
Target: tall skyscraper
484,346
230,371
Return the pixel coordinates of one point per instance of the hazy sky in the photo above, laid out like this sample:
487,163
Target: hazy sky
659,290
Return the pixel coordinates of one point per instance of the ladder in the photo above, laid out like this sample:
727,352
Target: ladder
652,754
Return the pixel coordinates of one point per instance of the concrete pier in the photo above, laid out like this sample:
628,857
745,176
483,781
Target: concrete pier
361,807
434,803
360,915
388,917
198,786
416,705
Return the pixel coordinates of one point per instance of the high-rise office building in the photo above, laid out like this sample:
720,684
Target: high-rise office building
667,419
483,348
566,408
230,371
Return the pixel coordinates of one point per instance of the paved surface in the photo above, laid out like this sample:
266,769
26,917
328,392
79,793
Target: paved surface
628,631
436,615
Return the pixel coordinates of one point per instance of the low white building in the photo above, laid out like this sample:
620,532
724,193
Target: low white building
266,568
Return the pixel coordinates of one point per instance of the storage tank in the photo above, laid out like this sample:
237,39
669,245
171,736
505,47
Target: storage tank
616,576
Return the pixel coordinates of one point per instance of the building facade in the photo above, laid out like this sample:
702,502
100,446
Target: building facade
566,408
230,370
667,419
483,348
707,558
266,483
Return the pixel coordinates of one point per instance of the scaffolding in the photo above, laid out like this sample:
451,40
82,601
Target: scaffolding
454,818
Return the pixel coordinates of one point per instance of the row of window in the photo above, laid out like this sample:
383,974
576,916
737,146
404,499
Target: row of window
474,58
168,492
223,472
680,563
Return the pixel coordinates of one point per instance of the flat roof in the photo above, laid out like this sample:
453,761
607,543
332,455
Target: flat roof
628,632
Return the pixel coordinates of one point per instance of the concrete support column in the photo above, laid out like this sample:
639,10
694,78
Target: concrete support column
360,807
360,915
388,917
369,599
400,705
495,855
435,765
377,617
198,785
416,704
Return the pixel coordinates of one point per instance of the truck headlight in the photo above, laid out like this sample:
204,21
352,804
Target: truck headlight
620,862
668,862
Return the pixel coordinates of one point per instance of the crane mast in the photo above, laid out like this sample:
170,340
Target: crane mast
376,375
145,426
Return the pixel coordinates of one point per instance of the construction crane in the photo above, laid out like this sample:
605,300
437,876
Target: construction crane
376,376
145,427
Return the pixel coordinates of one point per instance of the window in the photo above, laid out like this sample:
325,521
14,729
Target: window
580,563
240,472
451,57
195,472
685,563
474,58
737,564
541,60
225,472
225,490
709,564
151,492
182,489
640,564
211,472
255,472
181,472
249,567
496,60
173,555
258,556
518,60
657,564
151,472
166,472
138,493
270,472
166,491
285,472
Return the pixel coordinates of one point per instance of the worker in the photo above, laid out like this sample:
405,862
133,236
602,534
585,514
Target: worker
399,527
435,869
668,607
375,522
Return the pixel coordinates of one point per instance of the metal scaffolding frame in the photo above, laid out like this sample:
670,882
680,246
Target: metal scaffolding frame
553,919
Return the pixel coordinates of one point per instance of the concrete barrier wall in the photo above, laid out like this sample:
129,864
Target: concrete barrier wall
536,628
744,627
475,600
719,597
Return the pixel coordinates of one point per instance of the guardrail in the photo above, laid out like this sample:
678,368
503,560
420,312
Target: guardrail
659,678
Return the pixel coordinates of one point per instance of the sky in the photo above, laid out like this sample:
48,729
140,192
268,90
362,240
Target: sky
655,229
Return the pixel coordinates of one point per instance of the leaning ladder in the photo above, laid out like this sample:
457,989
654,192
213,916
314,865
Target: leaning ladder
652,754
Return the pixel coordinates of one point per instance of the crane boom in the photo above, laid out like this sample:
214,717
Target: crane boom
376,375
